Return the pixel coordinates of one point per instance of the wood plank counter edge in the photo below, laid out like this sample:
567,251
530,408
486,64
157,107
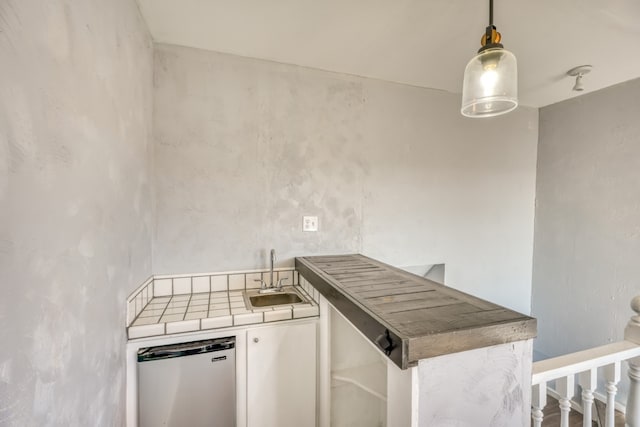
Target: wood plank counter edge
409,350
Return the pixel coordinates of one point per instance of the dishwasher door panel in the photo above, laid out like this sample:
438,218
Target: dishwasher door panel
196,391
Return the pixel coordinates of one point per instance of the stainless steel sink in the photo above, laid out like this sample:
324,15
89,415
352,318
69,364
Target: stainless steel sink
287,296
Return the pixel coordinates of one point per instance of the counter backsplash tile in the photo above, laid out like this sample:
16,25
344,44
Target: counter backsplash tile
219,284
139,299
253,280
236,282
182,285
201,284
162,287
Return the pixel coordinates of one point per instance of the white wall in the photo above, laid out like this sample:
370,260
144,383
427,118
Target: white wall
587,233
75,216
244,148
493,385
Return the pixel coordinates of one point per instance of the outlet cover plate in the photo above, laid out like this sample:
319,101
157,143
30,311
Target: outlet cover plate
309,223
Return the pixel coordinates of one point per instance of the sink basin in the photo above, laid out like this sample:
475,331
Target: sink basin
289,295
266,300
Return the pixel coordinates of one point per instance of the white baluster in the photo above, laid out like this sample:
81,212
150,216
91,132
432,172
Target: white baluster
565,388
612,376
588,381
633,400
632,333
538,402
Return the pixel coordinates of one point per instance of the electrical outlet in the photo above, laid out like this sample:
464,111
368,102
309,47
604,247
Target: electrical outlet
309,223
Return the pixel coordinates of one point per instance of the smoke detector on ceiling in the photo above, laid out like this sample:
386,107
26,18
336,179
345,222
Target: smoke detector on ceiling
578,72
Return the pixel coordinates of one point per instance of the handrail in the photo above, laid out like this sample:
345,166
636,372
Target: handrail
581,361
584,366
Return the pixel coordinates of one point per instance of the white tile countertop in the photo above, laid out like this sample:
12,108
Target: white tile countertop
165,305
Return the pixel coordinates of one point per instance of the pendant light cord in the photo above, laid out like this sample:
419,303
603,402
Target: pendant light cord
491,13
491,38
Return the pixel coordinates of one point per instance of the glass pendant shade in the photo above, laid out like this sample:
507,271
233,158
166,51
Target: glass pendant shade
490,86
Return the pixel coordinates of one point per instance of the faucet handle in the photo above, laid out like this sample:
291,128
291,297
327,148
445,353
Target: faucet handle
279,284
263,283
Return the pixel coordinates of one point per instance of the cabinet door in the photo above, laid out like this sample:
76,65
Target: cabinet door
281,376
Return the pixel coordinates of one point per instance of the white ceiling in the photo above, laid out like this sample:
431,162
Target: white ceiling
419,42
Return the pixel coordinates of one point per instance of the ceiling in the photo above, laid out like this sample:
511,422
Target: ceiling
424,43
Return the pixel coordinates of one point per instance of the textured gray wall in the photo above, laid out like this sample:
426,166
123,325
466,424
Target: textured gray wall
75,217
494,385
587,227
244,148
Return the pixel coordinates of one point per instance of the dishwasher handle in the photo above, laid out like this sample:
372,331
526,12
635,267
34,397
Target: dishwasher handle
185,349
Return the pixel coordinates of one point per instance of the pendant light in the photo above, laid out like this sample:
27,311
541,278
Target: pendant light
490,85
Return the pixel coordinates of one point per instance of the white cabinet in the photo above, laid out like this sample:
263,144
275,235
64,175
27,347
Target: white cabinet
281,375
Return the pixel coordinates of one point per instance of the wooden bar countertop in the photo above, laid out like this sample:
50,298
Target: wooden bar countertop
409,317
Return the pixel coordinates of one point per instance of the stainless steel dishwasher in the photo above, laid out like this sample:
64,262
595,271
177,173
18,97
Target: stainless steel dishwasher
188,384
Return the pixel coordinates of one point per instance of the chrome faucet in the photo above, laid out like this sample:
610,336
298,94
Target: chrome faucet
273,260
272,287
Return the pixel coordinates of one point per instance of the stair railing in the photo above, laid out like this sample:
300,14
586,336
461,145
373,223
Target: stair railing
584,366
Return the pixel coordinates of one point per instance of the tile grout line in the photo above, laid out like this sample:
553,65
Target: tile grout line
187,306
135,305
209,305
163,311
